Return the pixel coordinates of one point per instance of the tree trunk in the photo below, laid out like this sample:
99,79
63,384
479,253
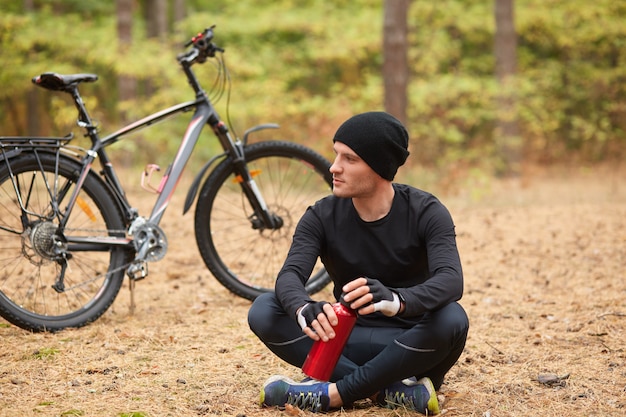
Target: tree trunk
507,134
33,125
126,84
156,19
156,28
395,59
179,11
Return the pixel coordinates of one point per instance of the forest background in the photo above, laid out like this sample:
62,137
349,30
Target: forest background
309,64
543,259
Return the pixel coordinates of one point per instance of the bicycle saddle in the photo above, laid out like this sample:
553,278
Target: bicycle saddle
59,82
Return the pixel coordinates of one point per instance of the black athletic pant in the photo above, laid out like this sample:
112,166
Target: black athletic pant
374,357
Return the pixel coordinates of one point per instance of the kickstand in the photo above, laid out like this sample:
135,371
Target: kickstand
131,287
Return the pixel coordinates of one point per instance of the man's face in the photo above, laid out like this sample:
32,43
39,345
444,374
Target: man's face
352,177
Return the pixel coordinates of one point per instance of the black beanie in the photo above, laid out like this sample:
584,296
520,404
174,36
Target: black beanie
378,138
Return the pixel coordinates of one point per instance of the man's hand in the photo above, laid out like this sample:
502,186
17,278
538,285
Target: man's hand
317,320
368,295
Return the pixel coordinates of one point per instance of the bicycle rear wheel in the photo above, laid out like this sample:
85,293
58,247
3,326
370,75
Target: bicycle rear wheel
32,204
290,178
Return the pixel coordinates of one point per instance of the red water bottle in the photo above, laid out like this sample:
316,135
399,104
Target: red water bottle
323,357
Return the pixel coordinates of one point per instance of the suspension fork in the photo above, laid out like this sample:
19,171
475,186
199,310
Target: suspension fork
264,218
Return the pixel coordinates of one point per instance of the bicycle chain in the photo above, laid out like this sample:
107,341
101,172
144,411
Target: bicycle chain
113,271
120,231
98,232
98,277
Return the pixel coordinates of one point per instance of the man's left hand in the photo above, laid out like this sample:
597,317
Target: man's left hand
368,295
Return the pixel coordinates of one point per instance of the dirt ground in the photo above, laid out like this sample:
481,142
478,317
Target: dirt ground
544,260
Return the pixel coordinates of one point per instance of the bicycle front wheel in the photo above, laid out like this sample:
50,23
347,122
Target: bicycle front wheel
54,277
290,177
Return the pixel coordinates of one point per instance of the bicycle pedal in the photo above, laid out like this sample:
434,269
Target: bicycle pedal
137,271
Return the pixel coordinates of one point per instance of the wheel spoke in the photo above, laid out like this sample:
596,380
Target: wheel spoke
246,260
34,245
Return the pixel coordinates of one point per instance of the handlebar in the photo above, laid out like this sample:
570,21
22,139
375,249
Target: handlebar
202,48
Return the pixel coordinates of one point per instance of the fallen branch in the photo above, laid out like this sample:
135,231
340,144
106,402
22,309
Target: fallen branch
495,348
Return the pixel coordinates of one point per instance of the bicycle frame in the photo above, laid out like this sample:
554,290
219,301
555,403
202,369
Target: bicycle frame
67,223
175,170
204,114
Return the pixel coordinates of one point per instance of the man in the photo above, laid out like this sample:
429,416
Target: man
391,252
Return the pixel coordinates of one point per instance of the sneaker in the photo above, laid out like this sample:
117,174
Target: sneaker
309,395
410,393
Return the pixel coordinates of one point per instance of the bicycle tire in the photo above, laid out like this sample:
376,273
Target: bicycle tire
92,279
246,261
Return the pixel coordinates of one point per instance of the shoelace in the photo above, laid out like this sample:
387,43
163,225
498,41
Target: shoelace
399,399
309,401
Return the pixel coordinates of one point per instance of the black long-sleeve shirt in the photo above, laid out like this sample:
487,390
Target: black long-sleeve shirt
411,250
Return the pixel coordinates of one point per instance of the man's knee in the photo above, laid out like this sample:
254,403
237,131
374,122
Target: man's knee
452,319
444,329
262,314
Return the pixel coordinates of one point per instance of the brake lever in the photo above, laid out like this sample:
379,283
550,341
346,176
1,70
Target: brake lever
202,46
202,36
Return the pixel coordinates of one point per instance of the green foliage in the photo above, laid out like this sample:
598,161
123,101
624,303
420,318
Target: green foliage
42,406
45,353
574,56
73,412
309,64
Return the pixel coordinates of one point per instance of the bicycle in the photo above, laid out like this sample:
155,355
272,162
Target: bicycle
68,234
